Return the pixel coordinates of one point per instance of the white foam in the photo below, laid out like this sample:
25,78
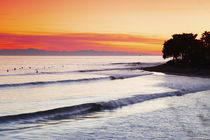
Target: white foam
185,83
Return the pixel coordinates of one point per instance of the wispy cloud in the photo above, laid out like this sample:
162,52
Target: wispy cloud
81,41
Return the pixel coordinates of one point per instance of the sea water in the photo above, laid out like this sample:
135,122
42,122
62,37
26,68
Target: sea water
99,97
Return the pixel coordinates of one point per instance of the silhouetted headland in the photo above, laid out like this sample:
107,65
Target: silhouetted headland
38,52
190,56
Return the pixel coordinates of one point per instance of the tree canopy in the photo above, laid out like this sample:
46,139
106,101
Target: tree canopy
186,48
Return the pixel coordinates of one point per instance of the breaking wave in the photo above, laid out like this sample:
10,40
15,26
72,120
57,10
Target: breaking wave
38,83
52,82
74,111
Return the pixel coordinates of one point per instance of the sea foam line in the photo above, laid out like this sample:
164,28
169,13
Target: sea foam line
72,81
81,109
51,82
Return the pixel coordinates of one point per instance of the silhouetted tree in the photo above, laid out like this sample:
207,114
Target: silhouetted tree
184,47
205,38
169,49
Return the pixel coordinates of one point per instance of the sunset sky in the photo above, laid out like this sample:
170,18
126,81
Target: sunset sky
110,25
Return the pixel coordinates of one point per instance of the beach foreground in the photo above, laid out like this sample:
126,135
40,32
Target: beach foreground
100,98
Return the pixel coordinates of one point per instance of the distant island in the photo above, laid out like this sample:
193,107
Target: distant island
190,56
38,52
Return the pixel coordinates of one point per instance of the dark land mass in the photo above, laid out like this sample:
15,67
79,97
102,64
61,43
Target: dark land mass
190,56
37,52
181,69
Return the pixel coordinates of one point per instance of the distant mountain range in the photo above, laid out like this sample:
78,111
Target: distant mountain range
38,52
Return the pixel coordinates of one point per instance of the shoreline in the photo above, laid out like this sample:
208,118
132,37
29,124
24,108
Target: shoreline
181,70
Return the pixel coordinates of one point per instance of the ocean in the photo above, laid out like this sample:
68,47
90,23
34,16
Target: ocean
99,97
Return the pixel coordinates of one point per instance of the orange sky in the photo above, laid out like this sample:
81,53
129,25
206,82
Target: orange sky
52,24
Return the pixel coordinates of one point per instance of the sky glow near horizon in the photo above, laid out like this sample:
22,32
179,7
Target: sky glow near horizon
119,25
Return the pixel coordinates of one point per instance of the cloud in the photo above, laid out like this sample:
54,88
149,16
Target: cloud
80,41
